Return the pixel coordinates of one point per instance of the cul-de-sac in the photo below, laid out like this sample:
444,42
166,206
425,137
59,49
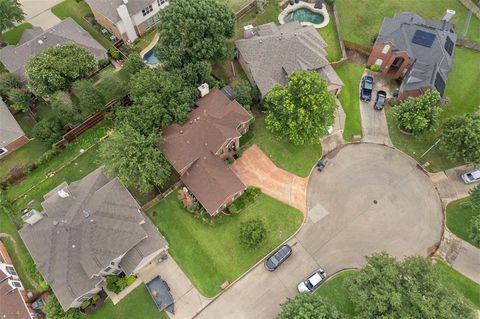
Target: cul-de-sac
239,159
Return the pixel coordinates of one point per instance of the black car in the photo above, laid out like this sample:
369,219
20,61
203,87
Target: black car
278,257
367,88
380,100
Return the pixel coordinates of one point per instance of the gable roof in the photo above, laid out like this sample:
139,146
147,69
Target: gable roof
432,59
10,130
16,57
275,52
108,8
191,148
81,234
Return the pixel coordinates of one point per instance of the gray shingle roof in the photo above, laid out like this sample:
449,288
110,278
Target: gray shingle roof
108,8
81,234
429,61
10,130
16,57
278,51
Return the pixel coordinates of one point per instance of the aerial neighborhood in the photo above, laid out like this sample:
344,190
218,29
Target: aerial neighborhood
239,159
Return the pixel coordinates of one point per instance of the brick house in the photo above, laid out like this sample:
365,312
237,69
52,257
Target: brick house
11,134
198,148
127,19
417,51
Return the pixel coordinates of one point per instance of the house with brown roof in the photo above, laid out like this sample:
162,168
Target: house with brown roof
87,230
11,134
198,149
13,299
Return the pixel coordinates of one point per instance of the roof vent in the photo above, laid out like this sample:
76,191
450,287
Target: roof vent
40,42
63,193
55,223
204,89
248,31
181,131
448,15
86,214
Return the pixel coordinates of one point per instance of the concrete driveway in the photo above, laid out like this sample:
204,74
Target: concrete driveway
37,12
254,168
450,184
345,224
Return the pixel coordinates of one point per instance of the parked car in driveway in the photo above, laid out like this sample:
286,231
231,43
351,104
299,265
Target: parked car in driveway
278,257
380,100
313,281
471,177
367,88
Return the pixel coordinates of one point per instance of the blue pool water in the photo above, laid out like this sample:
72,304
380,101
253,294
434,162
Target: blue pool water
304,15
150,57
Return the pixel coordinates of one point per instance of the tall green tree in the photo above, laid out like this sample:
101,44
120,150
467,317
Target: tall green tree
244,93
21,99
420,114
461,138
48,130
192,31
133,64
10,13
475,229
387,288
135,159
90,100
302,111
56,68
309,306
8,81
474,199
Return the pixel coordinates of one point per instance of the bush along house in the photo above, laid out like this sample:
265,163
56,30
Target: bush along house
198,149
416,51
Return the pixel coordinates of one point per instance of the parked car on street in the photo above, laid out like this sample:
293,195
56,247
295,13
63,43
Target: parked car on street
313,281
278,257
471,177
380,100
367,88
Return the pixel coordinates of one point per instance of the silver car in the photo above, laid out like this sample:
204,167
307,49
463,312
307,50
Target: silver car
313,281
471,177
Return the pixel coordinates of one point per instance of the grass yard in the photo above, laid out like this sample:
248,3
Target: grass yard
77,10
297,159
330,35
463,94
458,219
137,304
334,291
270,14
23,156
212,254
145,39
361,20
236,5
351,75
13,35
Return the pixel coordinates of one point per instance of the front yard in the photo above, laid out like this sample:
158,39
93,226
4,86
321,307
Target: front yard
458,219
211,254
13,35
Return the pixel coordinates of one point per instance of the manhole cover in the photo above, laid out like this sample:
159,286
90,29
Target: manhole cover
375,201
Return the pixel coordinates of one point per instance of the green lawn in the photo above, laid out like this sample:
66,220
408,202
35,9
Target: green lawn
297,159
22,157
236,5
77,10
361,20
271,12
334,291
351,75
458,219
330,35
13,35
137,304
465,286
463,94
145,39
211,254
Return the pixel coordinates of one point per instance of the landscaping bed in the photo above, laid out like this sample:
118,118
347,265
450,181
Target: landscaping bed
210,252
458,219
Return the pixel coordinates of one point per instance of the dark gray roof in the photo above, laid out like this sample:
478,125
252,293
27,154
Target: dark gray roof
81,234
278,51
10,130
16,57
108,8
29,34
430,62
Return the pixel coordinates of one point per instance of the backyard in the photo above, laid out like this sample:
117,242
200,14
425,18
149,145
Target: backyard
458,219
211,254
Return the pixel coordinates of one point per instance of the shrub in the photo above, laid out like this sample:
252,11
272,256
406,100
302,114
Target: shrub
252,233
229,160
53,310
475,229
85,304
47,156
43,285
103,63
130,280
61,101
8,81
374,68
117,283
194,207
21,99
244,93
90,98
114,53
232,208
330,2
95,297
48,130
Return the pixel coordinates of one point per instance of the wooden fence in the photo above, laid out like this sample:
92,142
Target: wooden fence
159,197
243,11
357,48
473,45
470,5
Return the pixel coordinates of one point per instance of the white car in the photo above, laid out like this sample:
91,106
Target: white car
313,281
471,177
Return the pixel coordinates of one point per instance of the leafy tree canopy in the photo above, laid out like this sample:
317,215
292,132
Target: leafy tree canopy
420,114
474,199
89,97
56,68
135,159
244,93
461,138
10,13
252,232
475,229
302,111
309,306
192,31
21,99
133,64
387,288
48,130
8,81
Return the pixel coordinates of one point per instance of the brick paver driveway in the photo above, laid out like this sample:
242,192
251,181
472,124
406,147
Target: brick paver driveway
254,168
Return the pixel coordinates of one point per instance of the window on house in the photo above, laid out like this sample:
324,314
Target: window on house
3,150
378,62
85,297
16,284
108,269
161,2
11,271
385,49
147,10
152,21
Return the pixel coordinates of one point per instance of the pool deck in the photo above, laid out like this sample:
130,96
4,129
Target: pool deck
310,6
149,47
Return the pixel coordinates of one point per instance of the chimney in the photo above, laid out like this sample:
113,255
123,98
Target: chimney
125,1
32,217
63,194
448,15
204,89
248,31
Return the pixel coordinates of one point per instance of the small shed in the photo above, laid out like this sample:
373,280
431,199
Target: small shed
160,293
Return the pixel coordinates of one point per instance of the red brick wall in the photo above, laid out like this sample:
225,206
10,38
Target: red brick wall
388,59
22,140
412,93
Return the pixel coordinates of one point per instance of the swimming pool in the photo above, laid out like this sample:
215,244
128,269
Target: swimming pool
150,57
305,15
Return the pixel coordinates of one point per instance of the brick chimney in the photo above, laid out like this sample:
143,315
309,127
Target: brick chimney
448,15
248,31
